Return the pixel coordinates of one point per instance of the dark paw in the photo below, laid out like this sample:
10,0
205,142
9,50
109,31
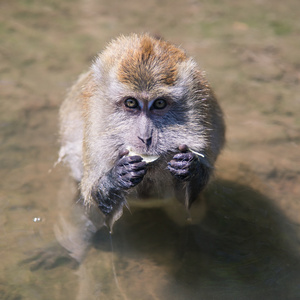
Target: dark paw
183,165
129,171
106,205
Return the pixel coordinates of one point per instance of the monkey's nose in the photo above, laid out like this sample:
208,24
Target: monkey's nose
146,141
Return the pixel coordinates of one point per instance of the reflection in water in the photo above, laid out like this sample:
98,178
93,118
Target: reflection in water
242,249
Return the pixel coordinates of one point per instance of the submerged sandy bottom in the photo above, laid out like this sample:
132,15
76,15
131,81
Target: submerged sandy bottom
246,243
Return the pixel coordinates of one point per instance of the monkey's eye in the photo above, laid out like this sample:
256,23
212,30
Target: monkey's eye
131,103
159,104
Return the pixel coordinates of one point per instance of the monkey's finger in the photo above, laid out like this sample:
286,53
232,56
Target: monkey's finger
134,159
132,176
129,160
131,181
136,166
137,174
187,156
179,164
123,152
125,169
183,173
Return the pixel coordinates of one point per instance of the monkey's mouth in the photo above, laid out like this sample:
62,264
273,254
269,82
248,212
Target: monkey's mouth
147,158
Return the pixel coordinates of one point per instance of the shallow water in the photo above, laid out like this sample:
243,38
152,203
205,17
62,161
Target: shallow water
243,243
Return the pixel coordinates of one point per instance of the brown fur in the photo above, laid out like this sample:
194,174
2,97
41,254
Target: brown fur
138,63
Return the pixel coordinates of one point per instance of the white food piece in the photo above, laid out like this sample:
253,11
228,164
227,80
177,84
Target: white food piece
147,158
197,153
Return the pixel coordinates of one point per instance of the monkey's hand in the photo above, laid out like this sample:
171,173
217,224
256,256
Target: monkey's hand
184,165
187,167
128,171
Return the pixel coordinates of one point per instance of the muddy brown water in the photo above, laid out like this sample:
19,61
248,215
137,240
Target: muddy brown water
245,244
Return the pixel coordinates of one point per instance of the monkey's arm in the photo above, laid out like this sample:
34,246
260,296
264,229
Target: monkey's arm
108,193
187,167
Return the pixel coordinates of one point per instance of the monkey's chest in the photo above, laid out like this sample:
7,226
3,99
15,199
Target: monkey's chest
156,189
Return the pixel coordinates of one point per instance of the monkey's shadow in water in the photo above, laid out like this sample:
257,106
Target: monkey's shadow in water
243,242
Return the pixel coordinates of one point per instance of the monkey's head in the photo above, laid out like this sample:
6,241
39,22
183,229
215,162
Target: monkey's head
149,96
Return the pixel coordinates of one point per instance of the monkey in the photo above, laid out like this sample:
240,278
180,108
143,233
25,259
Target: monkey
142,123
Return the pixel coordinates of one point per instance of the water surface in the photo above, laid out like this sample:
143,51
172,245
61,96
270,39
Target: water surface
244,243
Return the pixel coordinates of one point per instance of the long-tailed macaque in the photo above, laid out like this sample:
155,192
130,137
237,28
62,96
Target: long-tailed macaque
142,123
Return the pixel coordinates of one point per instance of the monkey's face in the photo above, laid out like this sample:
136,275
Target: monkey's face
151,124
147,97
147,122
